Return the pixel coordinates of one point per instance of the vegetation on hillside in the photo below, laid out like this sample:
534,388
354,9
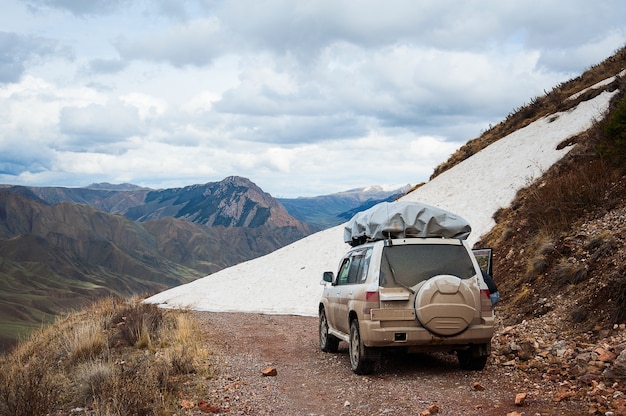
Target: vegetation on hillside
563,97
562,243
62,248
117,357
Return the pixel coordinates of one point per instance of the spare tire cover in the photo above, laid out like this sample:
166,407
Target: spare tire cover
445,305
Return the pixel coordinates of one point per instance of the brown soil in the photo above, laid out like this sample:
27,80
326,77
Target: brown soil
310,382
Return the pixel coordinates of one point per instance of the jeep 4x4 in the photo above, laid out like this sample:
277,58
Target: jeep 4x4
422,293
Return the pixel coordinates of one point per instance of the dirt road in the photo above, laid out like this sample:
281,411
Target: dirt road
310,382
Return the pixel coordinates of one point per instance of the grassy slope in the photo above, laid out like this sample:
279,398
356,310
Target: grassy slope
553,241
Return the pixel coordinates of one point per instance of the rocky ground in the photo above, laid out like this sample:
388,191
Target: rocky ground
554,352
272,365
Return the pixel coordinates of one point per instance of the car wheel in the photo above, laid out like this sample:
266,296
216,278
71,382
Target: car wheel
328,342
362,358
469,361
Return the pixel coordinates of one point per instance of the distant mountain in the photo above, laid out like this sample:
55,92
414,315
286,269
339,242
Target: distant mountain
233,202
329,210
63,247
106,186
107,199
57,257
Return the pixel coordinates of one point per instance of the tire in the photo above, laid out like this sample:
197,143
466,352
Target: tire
328,342
468,360
362,358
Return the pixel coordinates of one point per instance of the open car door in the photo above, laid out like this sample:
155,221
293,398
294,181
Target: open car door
484,258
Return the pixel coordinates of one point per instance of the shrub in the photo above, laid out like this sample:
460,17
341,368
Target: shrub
27,388
569,273
613,147
132,390
137,322
93,379
552,205
94,358
84,341
539,264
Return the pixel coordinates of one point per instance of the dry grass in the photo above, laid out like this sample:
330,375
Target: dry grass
553,204
84,341
540,240
118,357
556,100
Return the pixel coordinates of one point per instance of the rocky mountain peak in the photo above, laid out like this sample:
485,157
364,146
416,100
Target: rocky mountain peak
232,202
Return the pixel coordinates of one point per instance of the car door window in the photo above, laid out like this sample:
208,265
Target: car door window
344,272
353,270
355,266
365,264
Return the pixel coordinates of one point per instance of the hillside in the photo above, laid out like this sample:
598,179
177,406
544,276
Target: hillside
55,258
560,245
61,248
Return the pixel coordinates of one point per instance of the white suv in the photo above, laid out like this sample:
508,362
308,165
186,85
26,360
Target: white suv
419,293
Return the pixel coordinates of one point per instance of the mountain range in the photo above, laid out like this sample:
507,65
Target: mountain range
61,248
327,211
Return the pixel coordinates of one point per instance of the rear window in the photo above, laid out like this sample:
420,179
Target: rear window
408,265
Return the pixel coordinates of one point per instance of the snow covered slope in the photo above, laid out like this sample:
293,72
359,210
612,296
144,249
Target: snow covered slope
287,281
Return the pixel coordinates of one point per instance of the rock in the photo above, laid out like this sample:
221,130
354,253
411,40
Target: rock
270,372
604,355
513,414
187,404
562,395
526,349
477,386
520,399
619,367
432,410
206,407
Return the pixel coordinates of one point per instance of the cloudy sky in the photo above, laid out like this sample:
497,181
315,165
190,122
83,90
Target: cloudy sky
302,97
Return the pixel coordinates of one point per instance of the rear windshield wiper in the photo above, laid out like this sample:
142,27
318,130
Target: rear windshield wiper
393,274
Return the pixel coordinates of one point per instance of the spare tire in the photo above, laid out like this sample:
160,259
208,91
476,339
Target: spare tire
445,305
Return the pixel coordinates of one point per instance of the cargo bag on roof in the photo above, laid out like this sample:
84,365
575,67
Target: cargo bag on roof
402,220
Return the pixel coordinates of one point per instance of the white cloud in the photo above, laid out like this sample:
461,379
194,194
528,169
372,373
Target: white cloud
197,42
97,126
169,93
19,50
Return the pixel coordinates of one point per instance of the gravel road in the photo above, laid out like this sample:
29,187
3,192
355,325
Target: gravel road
310,382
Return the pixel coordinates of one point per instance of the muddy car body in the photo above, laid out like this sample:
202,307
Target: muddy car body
421,294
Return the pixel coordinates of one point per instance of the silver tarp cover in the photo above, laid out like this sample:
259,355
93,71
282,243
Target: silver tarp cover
404,219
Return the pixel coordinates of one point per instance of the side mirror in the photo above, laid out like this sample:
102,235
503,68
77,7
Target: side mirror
328,277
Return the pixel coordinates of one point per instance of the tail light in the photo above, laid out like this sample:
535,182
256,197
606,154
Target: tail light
371,297
485,301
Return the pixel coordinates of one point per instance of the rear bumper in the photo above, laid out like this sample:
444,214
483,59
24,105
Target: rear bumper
376,334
